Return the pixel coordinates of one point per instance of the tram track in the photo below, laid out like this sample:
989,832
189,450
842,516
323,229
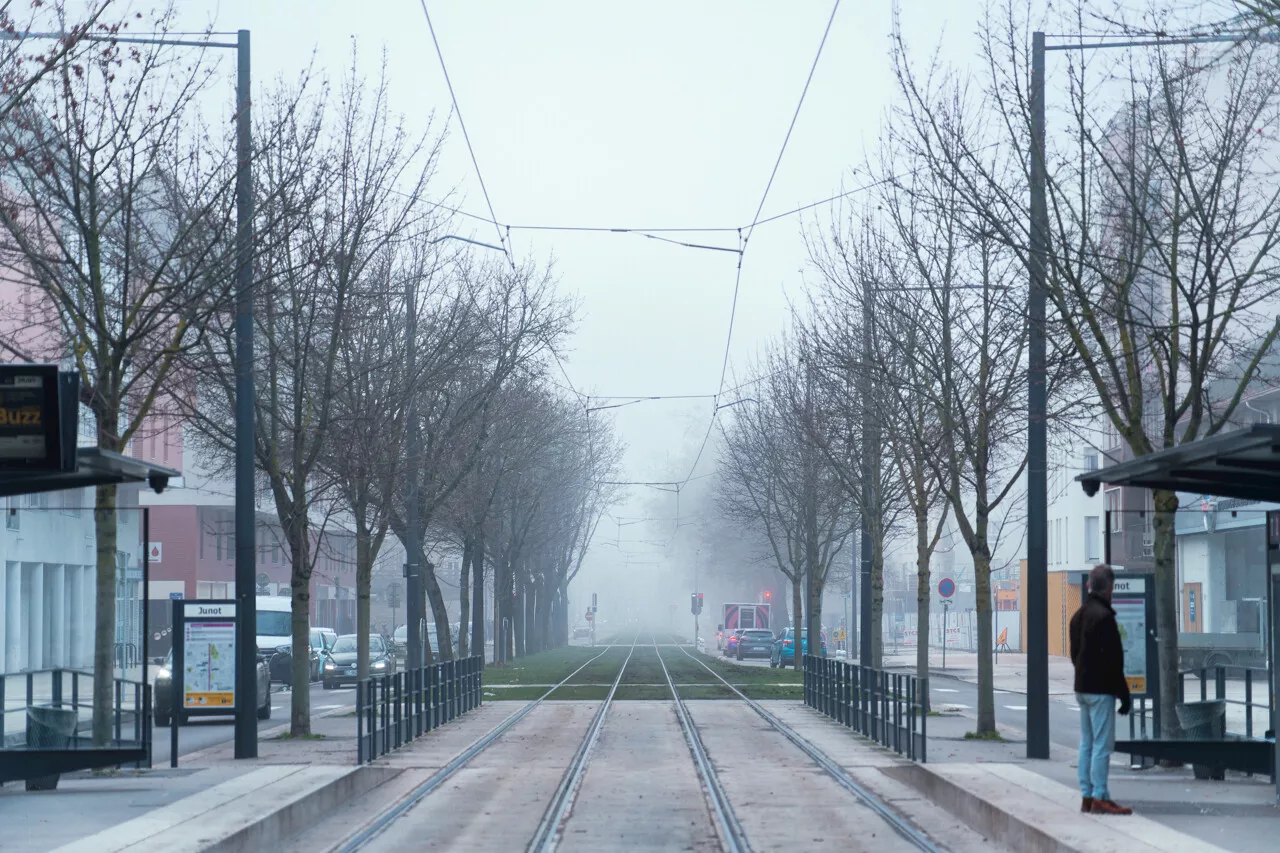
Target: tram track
731,832
380,823
899,824
547,835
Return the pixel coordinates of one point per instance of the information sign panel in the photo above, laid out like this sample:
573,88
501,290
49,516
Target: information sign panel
208,655
1134,605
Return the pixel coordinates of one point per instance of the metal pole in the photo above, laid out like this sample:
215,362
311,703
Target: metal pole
1037,484
413,452
865,644
246,743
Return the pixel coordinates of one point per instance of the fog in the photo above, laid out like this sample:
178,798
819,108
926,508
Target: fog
640,116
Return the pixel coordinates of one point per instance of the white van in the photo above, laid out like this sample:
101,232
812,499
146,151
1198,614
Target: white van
275,622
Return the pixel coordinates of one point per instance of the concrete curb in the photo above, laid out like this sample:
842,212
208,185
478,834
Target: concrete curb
1023,811
276,827
256,811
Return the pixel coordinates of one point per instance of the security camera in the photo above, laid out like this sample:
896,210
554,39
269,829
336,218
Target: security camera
1090,487
158,482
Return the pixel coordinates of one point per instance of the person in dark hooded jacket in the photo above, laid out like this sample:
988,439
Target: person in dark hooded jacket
1098,655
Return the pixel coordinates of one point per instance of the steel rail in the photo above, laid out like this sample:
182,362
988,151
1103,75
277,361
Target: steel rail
731,831
376,827
900,825
547,835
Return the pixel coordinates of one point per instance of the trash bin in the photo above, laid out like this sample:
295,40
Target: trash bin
1205,721
49,728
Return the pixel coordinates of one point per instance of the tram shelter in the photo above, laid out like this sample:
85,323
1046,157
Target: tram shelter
1241,464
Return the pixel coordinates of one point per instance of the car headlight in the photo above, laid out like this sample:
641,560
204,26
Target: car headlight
380,665
163,673
329,666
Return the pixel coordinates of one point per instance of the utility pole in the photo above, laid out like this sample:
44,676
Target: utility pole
413,603
1037,443
246,726
813,630
870,440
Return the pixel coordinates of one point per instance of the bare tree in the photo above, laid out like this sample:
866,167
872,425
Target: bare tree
773,479
117,208
1164,219
342,186
846,255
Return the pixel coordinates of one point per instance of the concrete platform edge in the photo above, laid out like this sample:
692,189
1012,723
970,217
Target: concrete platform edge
277,826
999,825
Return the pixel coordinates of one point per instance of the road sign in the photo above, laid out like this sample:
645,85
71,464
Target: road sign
590,616
946,587
593,602
175,596
393,594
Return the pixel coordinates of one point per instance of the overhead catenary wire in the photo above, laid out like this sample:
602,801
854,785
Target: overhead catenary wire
466,137
744,239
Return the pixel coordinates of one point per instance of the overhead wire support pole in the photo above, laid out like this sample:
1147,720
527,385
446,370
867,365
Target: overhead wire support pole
246,722
246,727
1037,441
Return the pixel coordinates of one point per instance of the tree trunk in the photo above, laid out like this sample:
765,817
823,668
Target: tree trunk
877,595
986,675
106,535
1166,594
797,622
813,615
477,597
924,588
364,582
464,596
300,585
517,623
439,612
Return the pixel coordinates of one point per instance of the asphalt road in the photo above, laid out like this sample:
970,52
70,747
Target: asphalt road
1011,708
203,732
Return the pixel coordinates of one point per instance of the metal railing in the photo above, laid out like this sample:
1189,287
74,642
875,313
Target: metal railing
392,710
73,690
887,707
1253,689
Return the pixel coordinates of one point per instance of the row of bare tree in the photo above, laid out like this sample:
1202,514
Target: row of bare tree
390,358
901,391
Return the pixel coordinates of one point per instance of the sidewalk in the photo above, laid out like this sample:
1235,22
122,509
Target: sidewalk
1009,669
98,811
1010,675
1237,814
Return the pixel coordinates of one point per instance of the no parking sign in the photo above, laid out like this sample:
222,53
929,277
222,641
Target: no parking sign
946,587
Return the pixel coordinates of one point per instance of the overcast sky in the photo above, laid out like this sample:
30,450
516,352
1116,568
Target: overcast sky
636,115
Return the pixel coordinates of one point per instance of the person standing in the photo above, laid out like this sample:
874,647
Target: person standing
1098,656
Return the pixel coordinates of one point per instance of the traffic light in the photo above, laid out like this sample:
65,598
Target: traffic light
695,603
768,594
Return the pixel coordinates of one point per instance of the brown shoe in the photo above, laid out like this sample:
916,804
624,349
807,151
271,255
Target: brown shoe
1086,805
1109,807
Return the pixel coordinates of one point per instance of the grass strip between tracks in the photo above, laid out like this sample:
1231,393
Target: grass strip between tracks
525,678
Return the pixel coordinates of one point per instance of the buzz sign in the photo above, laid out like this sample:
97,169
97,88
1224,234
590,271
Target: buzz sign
39,415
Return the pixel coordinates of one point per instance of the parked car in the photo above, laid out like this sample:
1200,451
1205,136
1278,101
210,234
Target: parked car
162,696
754,643
340,667
581,632
783,653
322,639
399,642
731,642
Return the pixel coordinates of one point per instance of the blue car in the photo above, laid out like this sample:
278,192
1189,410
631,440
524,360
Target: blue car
783,653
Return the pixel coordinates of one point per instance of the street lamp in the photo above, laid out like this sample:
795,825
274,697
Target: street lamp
414,606
246,725
1037,444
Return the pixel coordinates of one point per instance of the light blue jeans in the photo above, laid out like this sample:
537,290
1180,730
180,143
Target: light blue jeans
1097,740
